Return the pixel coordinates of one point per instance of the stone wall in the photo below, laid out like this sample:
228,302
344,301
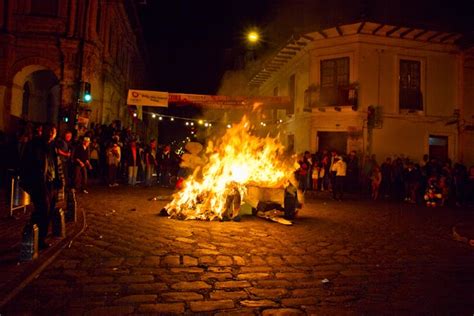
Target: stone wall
84,40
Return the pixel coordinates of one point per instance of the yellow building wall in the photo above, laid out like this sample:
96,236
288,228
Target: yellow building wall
405,133
374,65
409,138
467,113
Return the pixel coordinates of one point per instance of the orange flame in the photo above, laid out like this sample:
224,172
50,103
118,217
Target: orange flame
235,161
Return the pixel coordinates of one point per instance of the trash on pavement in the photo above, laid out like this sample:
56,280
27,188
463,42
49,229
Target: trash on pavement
160,198
245,209
458,237
112,211
275,216
325,281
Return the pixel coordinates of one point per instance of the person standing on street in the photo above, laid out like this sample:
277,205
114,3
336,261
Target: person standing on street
151,163
339,168
41,177
113,161
81,164
65,148
332,172
132,159
94,158
166,164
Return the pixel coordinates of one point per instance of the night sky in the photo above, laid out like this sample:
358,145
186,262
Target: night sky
187,40
191,43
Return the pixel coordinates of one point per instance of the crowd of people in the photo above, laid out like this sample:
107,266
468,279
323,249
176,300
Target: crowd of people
430,182
110,154
50,166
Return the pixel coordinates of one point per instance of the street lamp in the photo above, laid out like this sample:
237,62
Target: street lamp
253,37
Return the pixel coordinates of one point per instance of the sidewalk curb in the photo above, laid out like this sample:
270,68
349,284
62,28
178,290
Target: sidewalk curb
43,265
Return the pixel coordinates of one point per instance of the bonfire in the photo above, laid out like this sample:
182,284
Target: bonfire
234,164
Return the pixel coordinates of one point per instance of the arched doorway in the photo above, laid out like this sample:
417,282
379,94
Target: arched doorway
26,100
36,95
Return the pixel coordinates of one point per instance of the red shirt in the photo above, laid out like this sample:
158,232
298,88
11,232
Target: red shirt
134,155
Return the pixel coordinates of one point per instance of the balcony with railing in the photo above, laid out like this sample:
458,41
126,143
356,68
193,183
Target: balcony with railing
331,97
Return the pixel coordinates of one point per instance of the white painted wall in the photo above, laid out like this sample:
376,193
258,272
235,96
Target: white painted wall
374,64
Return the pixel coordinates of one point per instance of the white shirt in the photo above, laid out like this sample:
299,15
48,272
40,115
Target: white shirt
340,167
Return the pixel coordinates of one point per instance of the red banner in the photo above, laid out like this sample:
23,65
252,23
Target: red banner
228,102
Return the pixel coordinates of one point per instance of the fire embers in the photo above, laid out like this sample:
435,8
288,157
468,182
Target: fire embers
232,205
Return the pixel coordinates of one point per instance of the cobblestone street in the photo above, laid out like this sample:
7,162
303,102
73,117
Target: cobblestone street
377,258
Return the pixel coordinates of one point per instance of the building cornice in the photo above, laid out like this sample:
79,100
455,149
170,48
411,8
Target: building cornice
297,42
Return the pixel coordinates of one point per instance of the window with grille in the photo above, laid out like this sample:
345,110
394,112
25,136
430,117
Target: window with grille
44,7
410,96
291,93
98,18
335,81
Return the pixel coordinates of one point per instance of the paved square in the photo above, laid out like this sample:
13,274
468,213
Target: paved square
373,257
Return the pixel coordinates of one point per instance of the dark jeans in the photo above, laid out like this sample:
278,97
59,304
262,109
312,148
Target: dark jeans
95,168
352,182
80,178
112,174
332,178
303,182
67,173
338,189
44,199
165,177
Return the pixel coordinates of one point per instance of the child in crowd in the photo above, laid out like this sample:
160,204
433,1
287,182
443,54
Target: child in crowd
315,176
376,180
113,161
433,195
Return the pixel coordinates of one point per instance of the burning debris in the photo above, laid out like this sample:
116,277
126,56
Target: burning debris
238,168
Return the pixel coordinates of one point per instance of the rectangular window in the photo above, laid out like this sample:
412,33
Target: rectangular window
290,146
98,18
410,96
335,81
275,114
291,94
438,147
44,7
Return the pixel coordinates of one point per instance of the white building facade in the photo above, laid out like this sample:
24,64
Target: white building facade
376,89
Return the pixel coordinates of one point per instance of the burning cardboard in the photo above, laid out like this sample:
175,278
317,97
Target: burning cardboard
237,168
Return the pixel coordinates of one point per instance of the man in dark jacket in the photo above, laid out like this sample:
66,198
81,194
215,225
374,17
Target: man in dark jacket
42,177
166,163
81,163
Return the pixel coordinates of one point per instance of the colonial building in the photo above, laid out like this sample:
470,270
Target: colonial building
47,47
377,89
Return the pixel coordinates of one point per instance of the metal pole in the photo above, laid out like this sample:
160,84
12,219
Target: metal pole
80,61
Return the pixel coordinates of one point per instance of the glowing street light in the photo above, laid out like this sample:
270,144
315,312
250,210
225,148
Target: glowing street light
153,115
187,123
161,118
172,119
253,37
229,126
201,122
